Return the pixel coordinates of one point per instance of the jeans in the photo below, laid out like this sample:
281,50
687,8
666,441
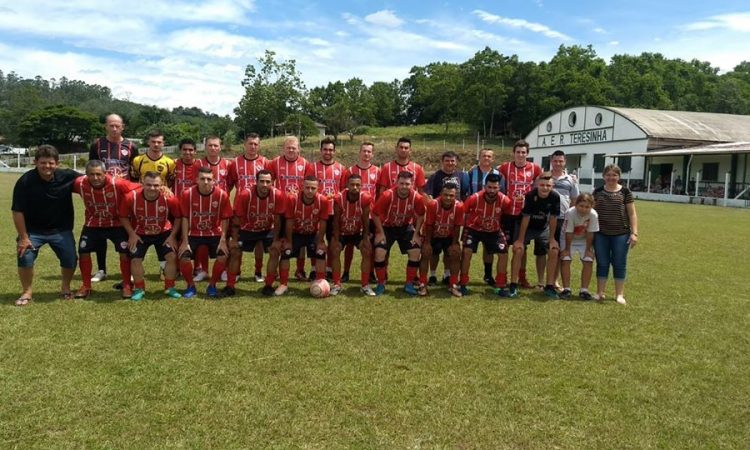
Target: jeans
611,250
62,243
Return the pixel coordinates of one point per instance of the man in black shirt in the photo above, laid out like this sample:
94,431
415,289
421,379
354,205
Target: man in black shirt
43,214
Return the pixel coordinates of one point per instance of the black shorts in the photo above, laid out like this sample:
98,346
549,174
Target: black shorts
440,245
94,238
249,239
212,242
147,241
300,241
511,225
350,239
494,241
402,235
540,238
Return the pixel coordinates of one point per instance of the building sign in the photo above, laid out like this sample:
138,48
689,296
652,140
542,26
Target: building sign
576,138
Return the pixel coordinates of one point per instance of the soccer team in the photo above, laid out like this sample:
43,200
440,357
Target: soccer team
288,207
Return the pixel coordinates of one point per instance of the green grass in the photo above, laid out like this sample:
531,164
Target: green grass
668,370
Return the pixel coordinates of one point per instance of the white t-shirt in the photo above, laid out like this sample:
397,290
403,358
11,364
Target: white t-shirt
580,225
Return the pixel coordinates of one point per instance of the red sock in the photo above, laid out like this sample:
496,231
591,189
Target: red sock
216,272
284,276
259,265
348,256
501,280
320,275
300,264
86,267
336,278
423,278
231,279
453,279
125,270
411,273
521,274
365,278
380,273
168,284
186,269
271,277
140,284
464,279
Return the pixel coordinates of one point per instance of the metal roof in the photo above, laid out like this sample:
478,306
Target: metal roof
686,125
715,149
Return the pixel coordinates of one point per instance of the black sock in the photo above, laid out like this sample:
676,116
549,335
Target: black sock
488,270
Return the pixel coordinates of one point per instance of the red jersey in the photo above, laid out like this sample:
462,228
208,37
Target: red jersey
444,221
485,216
388,177
220,170
307,217
102,204
149,217
394,211
242,171
519,181
290,175
255,213
116,156
369,178
331,177
205,212
350,218
185,175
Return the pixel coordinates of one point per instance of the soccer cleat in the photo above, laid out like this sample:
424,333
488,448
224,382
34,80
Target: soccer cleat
313,276
489,280
621,300
189,292
267,291
336,289
410,289
367,290
100,275
551,293
422,290
83,292
513,291
565,294
447,280
211,291
455,291
329,275
173,293
126,291
524,283
200,276
259,277
585,295
300,275
501,292
138,295
380,289
281,290
432,281
345,277
228,291
464,290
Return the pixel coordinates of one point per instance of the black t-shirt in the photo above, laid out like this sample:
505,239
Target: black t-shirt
539,209
438,179
47,206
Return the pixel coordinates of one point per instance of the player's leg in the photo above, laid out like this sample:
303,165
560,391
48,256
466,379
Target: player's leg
414,254
425,265
284,269
552,256
366,267
470,246
566,258
334,258
119,238
220,262
453,258
318,259
620,249
381,258
299,274
259,253
434,260
586,271
101,264
87,243
272,267
186,267
64,246
348,257
25,262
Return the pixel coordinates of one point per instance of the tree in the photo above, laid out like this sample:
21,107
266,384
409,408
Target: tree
486,87
65,127
300,125
434,93
389,104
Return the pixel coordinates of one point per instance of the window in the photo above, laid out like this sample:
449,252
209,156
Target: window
545,163
572,119
710,172
624,163
599,162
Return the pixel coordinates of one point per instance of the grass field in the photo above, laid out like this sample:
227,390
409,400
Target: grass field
671,369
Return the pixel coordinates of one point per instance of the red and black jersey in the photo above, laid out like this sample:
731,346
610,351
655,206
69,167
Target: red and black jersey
185,176
369,178
519,181
289,176
307,217
350,218
256,213
149,217
388,177
102,204
444,221
220,170
482,215
116,156
243,171
205,211
394,211
331,177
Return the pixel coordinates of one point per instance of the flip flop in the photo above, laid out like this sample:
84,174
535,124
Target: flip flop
66,295
23,300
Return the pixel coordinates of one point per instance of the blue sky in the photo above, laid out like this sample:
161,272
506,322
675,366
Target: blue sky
194,53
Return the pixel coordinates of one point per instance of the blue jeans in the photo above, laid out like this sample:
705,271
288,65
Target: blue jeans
611,250
62,243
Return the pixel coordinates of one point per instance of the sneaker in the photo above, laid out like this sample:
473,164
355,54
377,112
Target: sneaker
565,294
300,275
345,277
173,293
513,291
267,291
224,276
138,295
432,281
336,289
551,293
524,283
464,290
200,276
621,300
447,281
312,277
585,295
281,290
126,291
489,280
83,292
598,298
329,275
259,277
189,292
501,292
228,291
99,276
367,290
380,289
410,289
211,291
455,291
422,290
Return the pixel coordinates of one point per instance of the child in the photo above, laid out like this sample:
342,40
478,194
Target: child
581,222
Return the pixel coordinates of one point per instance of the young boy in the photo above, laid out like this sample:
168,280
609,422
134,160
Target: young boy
581,222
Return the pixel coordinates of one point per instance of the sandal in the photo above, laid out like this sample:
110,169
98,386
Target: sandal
23,300
66,295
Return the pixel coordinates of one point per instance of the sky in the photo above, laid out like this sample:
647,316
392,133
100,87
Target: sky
194,53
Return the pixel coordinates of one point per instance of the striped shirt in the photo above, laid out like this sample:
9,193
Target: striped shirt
205,212
116,156
394,211
101,205
350,212
610,206
243,171
149,217
369,178
519,181
307,217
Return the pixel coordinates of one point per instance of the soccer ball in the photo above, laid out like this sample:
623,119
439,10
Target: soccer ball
320,289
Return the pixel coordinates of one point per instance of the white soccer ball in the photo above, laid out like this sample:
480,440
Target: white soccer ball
320,289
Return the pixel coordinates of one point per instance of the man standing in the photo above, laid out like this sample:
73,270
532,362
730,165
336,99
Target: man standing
566,186
218,165
477,178
390,172
153,160
186,168
398,215
368,173
43,214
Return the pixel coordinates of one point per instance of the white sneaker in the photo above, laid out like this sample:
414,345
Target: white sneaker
367,290
621,300
224,276
336,289
258,278
200,276
99,276
281,290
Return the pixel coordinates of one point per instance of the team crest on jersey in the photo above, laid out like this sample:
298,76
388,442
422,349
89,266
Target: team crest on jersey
300,167
409,206
316,211
109,194
373,176
214,203
124,245
124,152
83,243
497,210
160,167
162,209
270,206
336,172
222,172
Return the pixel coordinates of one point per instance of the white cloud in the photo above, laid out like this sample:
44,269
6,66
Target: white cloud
737,22
614,43
213,43
521,24
384,18
599,30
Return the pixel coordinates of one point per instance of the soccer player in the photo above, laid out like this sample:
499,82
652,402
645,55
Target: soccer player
257,222
219,166
102,196
389,173
306,219
398,215
442,228
153,160
484,214
205,210
186,168
147,216
351,226
540,210
520,176
581,222
369,173
117,153
477,178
